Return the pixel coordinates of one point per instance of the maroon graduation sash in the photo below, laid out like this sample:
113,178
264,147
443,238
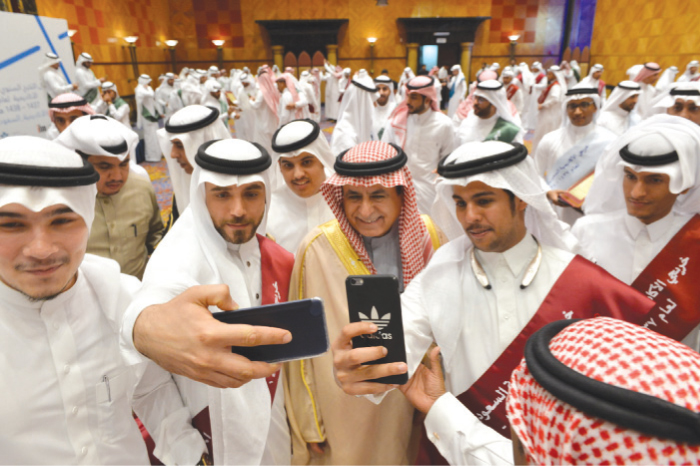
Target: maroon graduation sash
512,89
669,282
583,290
601,87
545,93
276,266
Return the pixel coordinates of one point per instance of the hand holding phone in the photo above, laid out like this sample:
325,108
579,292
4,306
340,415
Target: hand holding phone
375,299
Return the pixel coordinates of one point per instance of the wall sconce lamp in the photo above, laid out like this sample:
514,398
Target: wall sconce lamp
371,41
219,51
171,47
513,42
131,41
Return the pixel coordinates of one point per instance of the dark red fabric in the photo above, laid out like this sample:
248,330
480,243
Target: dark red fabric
670,282
276,266
150,444
545,93
584,290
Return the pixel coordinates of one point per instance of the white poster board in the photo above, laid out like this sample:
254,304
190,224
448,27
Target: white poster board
25,40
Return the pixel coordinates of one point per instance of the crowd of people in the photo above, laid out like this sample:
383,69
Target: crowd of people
548,306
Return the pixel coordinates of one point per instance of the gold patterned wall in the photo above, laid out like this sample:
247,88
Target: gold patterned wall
628,32
103,24
368,20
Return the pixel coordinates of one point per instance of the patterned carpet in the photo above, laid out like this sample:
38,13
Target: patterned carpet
158,171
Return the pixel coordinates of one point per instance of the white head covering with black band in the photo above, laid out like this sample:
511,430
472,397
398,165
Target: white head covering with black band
50,59
493,91
507,167
577,93
292,217
194,253
38,173
623,91
193,126
660,144
98,135
356,114
83,58
687,91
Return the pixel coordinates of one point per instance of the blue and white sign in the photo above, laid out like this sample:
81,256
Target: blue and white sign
25,41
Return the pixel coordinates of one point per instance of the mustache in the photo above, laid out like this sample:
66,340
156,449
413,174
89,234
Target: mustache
239,220
471,227
42,264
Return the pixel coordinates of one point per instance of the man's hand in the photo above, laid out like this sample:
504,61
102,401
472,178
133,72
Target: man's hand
75,86
182,337
349,370
553,196
427,384
539,106
291,106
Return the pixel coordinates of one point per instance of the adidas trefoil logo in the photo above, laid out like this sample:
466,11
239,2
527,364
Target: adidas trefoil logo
374,318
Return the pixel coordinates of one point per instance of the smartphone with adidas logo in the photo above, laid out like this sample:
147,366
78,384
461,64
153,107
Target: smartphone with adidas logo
376,299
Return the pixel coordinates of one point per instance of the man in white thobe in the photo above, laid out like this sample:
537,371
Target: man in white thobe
213,98
88,84
384,105
490,118
691,72
618,115
305,161
509,260
514,91
681,100
549,115
191,92
646,190
646,77
68,394
458,89
356,114
266,105
424,133
219,240
332,79
184,132
245,125
166,88
667,78
568,155
52,79
293,104
112,105
147,116
306,83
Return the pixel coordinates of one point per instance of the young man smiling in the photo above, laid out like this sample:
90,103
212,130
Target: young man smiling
507,272
218,240
641,220
304,163
377,230
127,225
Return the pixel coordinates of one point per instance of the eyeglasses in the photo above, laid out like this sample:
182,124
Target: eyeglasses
572,106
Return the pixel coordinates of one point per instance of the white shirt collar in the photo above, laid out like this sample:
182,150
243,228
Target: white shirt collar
655,229
516,258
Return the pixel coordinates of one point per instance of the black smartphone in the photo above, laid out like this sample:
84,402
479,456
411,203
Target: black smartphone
376,299
305,319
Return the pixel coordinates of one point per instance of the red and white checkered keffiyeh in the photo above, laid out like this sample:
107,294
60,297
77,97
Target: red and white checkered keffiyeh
399,117
66,98
266,83
553,432
412,230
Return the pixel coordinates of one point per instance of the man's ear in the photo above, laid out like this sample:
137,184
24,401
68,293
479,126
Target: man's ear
520,205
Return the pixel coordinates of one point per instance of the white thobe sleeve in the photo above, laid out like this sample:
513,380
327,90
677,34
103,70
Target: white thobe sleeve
158,404
119,113
56,85
329,68
87,79
461,438
553,98
303,101
544,156
448,140
258,100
